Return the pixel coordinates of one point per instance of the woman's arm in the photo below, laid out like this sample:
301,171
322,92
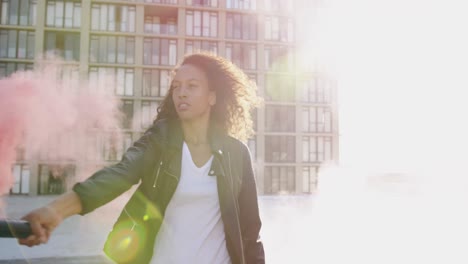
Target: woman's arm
45,219
108,183
102,187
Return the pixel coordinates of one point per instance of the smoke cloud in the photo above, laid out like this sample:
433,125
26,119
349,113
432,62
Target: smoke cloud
53,114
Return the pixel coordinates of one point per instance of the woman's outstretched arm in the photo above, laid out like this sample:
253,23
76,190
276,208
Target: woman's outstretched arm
45,219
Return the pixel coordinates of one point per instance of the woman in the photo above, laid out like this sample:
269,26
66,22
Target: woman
196,201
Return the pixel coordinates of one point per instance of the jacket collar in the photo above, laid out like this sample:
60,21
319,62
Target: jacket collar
174,135
169,134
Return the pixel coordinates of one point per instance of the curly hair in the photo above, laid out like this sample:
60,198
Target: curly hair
236,95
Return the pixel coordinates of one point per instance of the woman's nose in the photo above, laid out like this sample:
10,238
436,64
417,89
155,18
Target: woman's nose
182,92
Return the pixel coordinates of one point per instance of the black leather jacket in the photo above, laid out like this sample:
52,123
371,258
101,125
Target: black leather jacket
154,161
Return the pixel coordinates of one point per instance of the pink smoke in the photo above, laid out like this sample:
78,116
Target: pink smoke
45,111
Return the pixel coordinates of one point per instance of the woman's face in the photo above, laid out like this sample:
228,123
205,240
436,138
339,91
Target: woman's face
191,95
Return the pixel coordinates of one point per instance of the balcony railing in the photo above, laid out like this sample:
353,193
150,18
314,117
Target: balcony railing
164,29
171,2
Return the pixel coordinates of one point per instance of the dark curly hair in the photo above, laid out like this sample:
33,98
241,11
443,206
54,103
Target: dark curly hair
236,95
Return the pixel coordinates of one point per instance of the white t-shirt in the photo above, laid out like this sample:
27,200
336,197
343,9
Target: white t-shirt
192,230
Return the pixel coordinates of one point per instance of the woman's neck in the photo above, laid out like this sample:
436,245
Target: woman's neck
195,133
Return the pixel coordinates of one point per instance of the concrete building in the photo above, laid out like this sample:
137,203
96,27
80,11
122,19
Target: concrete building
141,40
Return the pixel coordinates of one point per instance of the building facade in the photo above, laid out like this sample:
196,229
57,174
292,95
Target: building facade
140,41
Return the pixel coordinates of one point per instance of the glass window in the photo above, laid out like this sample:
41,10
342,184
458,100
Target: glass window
279,58
110,17
241,26
323,90
280,87
172,52
208,3
157,51
12,43
192,46
324,119
189,26
197,23
205,24
30,47
173,2
279,6
150,86
149,110
104,22
279,29
201,23
69,14
21,175
121,49
129,82
23,12
7,68
279,180
309,117
22,40
316,149
316,119
164,52
17,44
59,14
4,12
280,149
309,90
3,43
95,15
13,12
127,110
130,53
309,179
242,4
131,18
63,44
112,49
243,55
316,89
63,13
54,178
123,78
280,118
162,25
113,149
213,24
76,15
165,82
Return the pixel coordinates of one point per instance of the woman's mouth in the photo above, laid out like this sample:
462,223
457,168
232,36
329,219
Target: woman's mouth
183,106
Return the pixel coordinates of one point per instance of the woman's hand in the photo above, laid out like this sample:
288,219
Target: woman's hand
43,221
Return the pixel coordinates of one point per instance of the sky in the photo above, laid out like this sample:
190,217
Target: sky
399,192
400,69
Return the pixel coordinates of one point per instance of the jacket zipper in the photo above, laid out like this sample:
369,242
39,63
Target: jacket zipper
236,207
157,174
131,218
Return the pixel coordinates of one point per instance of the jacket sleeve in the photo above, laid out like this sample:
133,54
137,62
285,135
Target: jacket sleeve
249,213
108,183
